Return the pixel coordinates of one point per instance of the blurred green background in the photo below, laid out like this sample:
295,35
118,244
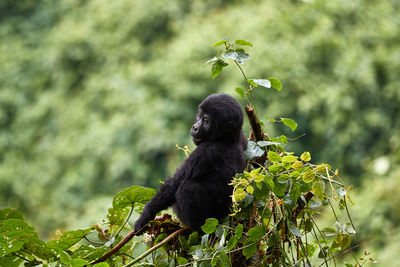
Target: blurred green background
94,96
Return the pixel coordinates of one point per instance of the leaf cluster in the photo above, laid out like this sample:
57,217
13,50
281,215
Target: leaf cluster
274,205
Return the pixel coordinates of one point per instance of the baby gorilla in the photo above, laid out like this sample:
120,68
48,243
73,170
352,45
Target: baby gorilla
199,189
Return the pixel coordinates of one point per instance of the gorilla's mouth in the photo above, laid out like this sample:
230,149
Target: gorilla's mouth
197,140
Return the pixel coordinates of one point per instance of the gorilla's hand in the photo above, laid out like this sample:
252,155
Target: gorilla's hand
142,221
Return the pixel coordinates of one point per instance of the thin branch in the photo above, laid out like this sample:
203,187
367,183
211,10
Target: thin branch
116,248
126,221
300,204
244,75
254,124
351,220
166,240
21,257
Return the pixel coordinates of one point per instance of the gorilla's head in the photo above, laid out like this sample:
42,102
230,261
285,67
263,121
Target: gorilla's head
219,118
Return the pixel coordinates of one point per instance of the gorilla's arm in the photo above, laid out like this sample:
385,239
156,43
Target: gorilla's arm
164,198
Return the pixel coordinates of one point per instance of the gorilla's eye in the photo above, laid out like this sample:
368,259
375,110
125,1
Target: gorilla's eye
205,120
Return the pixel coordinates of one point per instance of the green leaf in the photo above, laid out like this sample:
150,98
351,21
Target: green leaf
253,150
232,243
306,156
81,263
289,158
308,176
214,59
290,123
279,189
345,242
295,174
295,191
219,43
250,189
239,55
214,259
270,183
239,194
243,42
251,81
216,68
283,179
65,257
328,231
276,168
8,213
276,84
68,239
210,225
250,250
297,165
322,168
267,143
319,188
223,259
262,82
133,195
274,157
273,239
240,91
256,232
294,230
182,261
14,234
239,231
193,239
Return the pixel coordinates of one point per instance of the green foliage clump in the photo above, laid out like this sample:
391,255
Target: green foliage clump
94,94
275,203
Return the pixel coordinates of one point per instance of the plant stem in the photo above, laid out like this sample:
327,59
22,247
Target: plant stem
249,86
126,221
166,240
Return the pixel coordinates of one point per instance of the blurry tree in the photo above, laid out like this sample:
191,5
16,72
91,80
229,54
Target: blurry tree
94,95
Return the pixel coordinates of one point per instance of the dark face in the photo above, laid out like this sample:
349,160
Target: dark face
200,129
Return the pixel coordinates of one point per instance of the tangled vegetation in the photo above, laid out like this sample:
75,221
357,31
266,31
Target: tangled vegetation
275,204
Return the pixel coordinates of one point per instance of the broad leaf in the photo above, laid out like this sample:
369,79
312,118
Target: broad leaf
294,230
319,189
250,249
217,67
262,82
239,55
14,234
267,143
210,225
68,239
306,156
8,213
276,84
133,195
240,91
256,232
274,157
290,123
253,150
219,43
308,176
243,42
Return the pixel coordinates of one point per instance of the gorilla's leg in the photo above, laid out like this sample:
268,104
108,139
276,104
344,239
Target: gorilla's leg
193,202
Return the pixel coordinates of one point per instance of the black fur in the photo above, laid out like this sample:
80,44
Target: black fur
199,189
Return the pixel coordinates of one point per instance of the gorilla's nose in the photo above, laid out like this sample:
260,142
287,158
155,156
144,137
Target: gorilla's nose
195,129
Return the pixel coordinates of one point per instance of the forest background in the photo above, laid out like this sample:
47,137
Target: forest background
94,96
